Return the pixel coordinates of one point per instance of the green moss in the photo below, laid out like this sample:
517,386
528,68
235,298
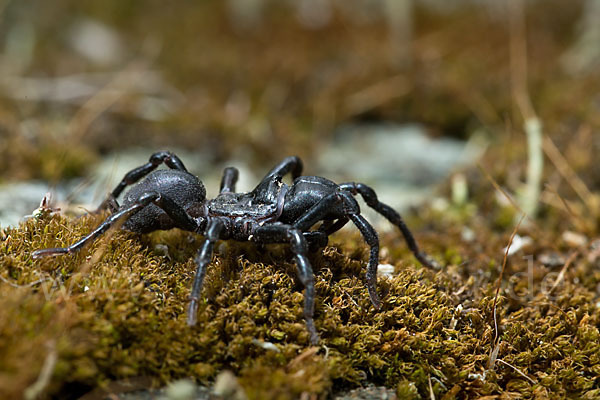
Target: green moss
117,310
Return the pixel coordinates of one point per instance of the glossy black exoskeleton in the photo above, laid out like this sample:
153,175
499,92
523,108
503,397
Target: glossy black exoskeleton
273,212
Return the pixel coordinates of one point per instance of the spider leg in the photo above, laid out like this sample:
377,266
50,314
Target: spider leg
229,179
203,258
280,233
344,204
339,202
370,236
318,239
370,197
170,160
291,165
110,203
270,186
169,206
330,227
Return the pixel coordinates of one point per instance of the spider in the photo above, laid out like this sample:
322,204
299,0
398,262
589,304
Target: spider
273,212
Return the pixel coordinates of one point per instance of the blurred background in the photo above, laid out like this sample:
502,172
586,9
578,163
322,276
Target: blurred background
394,93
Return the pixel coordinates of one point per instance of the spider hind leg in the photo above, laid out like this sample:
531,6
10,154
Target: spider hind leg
174,211
168,158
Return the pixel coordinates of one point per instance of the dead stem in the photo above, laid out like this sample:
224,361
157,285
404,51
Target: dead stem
30,284
431,394
564,203
507,195
496,341
37,388
103,100
567,172
533,381
562,272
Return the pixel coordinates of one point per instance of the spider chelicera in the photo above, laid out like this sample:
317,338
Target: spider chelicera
273,212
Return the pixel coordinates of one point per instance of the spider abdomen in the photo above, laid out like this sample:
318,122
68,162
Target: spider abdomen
180,186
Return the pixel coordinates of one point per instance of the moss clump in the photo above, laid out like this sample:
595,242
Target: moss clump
117,310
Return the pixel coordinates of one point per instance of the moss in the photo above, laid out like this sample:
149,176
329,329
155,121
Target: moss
117,310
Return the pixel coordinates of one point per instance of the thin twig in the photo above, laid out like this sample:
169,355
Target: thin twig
562,272
431,394
533,381
30,284
507,195
564,202
567,172
37,388
499,283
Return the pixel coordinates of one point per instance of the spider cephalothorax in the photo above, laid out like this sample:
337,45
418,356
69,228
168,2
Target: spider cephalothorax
272,213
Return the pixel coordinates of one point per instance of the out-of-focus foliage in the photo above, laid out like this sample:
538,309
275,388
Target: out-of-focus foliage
260,82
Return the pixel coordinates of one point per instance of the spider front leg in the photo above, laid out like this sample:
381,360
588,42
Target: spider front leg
280,233
170,160
368,194
204,257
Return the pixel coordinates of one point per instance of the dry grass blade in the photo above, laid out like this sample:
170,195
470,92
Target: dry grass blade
565,170
376,95
104,99
431,394
37,388
499,282
562,272
493,356
30,284
518,58
566,205
507,195
533,381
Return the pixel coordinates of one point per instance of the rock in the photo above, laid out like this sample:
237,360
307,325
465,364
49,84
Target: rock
574,239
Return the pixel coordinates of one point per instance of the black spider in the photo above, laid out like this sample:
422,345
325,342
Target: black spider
272,213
